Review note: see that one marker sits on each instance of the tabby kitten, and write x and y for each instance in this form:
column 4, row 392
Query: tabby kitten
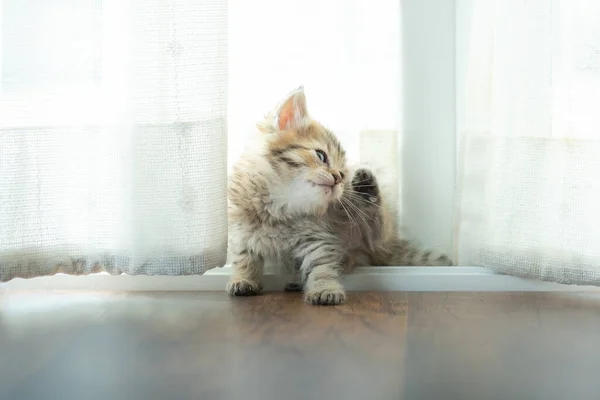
column 293, row 199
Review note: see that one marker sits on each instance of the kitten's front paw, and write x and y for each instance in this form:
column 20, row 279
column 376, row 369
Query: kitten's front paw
column 326, row 295
column 365, row 184
column 238, row 286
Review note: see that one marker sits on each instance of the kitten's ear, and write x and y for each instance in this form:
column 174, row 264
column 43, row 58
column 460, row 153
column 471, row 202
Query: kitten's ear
column 292, row 113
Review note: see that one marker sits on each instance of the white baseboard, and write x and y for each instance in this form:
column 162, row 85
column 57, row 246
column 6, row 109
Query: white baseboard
column 362, row 279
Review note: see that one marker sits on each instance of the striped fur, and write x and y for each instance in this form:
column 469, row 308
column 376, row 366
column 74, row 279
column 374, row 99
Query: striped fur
column 294, row 201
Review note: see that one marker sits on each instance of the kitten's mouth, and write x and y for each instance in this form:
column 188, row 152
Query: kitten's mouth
column 323, row 185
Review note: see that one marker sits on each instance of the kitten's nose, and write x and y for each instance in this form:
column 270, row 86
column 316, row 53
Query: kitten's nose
column 337, row 177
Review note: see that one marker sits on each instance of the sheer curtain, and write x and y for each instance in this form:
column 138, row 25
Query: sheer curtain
column 530, row 164
column 112, row 136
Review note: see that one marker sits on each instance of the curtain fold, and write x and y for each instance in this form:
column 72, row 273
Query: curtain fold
column 113, row 137
column 529, row 180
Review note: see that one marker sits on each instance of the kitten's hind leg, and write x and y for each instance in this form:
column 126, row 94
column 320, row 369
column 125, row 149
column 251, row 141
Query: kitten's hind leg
column 246, row 279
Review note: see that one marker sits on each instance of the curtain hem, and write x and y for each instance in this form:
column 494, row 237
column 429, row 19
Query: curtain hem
column 36, row 263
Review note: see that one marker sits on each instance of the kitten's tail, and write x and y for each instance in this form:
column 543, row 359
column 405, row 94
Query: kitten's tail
column 405, row 253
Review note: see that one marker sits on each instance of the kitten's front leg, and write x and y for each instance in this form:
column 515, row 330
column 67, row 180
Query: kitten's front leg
column 364, row 211
column 246, row 279
column 323, row 287
column 321, row 269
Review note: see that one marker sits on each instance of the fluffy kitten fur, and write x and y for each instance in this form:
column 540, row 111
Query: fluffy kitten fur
column 292, row 198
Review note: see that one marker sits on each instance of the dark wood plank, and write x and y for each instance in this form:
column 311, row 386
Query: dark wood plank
column 101, row 345
column 503, row 346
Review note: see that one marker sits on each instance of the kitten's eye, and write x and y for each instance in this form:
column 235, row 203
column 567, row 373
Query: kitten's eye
column 322, row 156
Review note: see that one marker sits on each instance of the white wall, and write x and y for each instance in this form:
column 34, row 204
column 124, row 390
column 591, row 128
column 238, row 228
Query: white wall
column 427, row 148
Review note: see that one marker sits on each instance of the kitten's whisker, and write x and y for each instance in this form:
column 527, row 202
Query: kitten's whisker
column 359, row 195
column 348, row 205
column 352, row 191
column 364, row 180
column 364, row 214
column 355, row 208
column 360, row 199
column 352, row 221
column 361, row 212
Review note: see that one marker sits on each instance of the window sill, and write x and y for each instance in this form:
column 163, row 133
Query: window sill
column 363, row 279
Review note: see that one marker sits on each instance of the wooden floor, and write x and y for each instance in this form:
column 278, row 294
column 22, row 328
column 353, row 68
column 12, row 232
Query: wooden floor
column 183, row 345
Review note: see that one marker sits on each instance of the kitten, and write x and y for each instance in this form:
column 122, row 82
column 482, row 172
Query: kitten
column 293, row 199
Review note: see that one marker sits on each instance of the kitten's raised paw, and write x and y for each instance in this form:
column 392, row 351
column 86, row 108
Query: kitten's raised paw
column 365, row 184
column 326, row 296
column 243, row 287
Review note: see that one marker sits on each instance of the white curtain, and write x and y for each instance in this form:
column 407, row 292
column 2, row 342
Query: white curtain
column 530, row 163
column 112, row 136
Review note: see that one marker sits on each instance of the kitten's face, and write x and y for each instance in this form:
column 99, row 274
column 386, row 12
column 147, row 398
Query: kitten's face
column 307, row 159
